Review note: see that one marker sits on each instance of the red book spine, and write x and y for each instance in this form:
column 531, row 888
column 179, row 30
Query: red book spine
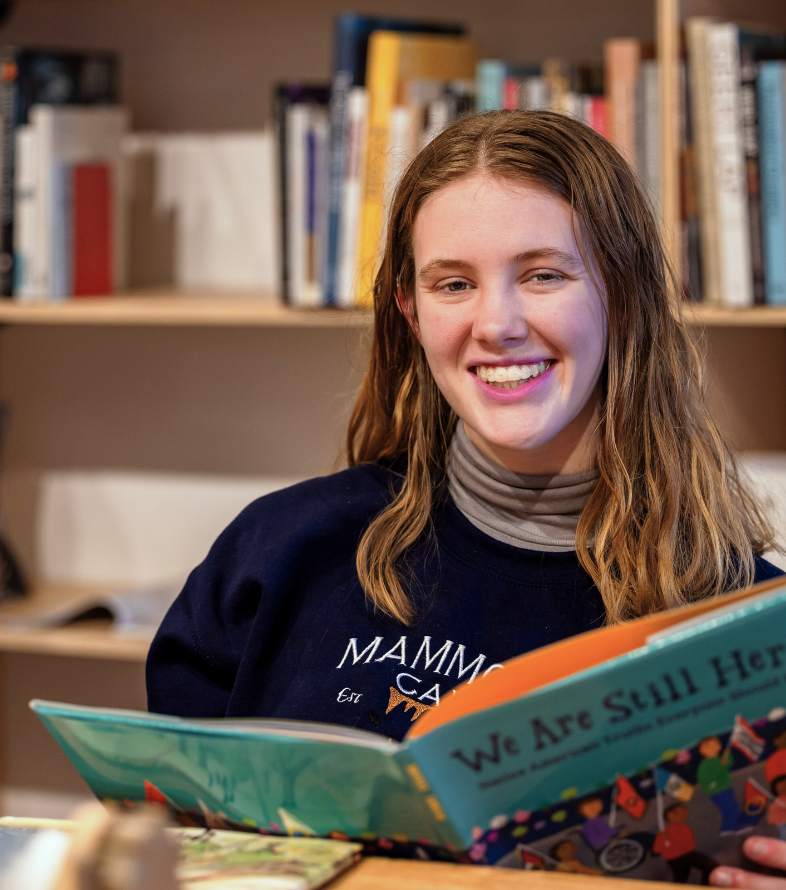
column 92, row 230
column 511, row 93
column 599, row 116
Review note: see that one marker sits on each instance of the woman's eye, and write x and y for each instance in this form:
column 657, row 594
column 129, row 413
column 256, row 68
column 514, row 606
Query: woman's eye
column 454, row 287
column 546, row 277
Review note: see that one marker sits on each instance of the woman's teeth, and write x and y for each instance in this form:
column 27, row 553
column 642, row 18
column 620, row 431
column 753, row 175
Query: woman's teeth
column 510, row 376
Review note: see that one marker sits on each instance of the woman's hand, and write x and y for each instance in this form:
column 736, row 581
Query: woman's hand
column 764, row 850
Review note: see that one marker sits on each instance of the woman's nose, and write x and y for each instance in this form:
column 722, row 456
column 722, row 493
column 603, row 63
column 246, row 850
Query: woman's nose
column 500, row 317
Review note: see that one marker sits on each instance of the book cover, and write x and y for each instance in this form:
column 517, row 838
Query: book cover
column 750, row 141
column 350, row 49
column 614, row 728
column 92, row 234
column 392, row 59
column 67, row 137
column 772, row 171
column 699, row 95
column 755, row 46
column 293, row 104
column 39, row 76
column 25, row 212
column 648, row 132
column 351, row 195
column 32, row 852
column 490, row 75
column 622, row 57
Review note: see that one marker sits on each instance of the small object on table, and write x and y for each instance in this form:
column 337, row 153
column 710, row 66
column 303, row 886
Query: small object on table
column 114, row 851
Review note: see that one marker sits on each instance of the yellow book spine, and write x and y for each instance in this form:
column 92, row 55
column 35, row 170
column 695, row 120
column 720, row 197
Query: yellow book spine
column 382, row 83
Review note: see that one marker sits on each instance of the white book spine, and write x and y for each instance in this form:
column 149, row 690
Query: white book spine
column 297, row 128
column 651, row 130
column 320, row 125
column 352, row 196
column 729, row 180
column 25, row 214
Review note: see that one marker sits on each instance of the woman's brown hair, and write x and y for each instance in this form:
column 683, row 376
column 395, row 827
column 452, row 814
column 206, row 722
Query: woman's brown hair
column 670, row 520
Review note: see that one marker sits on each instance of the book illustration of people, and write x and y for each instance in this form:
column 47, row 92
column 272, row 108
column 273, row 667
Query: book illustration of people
column 674, row 820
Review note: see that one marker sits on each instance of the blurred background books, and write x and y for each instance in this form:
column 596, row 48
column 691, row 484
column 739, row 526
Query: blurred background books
column 297, row 209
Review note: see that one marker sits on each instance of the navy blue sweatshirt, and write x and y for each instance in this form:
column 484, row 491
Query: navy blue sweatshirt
column 274, row 622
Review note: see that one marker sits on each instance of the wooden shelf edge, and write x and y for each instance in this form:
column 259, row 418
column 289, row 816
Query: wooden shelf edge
column 721, row 316
column 167, row 308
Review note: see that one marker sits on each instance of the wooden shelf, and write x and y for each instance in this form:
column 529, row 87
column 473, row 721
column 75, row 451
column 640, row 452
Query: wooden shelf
column 169, row 308
column 719, row 316
column 93, row 638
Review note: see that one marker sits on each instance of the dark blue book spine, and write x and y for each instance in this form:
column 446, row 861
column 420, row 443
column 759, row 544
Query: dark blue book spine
column 8, row 102
column 337, row 148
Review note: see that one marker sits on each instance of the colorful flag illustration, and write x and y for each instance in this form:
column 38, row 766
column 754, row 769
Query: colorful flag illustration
column 744, row 738
column 679, row 788
column 754, row 799
column 629, row 799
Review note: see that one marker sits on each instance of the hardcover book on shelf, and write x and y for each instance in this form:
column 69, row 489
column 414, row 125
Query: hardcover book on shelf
column 394, row 58
column 714, row 63
column 71, row 237
column 352, row 32
column 587, row 755
column 32, row 77
column 622, row 61
column 302, row 121
column 771, row 86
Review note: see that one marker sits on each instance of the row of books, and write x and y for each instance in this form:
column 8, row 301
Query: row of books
column 69, row 167
column 734, row 138
column 61, row 220
column 397, row 83
column 88, row 207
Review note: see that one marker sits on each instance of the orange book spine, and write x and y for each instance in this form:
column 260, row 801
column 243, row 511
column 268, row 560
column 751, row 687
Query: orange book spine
column 382, row 83
column 622, row 58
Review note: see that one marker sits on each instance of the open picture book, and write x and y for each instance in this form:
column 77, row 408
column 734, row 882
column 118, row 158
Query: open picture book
column 649, row 749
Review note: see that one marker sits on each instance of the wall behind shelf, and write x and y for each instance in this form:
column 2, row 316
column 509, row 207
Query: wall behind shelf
column 264, row 404
column 211, row 64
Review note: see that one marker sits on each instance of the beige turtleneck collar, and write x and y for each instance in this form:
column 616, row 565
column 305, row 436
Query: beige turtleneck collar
column 531, row 512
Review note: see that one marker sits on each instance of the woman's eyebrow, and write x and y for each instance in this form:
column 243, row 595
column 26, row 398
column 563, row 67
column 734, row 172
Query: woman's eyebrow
column 548, row 253
column 438, row 264
column 536, row 253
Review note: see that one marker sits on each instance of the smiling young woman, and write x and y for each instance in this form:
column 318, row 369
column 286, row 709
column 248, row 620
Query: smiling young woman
column 523, row 238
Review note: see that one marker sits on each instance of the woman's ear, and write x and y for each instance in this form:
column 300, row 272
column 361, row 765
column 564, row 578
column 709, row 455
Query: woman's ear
column 407, row 309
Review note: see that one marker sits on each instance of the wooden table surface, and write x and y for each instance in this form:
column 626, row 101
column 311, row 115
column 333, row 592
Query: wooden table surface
column 376, row 873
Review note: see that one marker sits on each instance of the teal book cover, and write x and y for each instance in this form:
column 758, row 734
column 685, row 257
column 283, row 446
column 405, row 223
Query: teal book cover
column 649, row 750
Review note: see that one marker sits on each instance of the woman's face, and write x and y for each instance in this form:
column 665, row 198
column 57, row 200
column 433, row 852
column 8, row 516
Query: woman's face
column 512, row 326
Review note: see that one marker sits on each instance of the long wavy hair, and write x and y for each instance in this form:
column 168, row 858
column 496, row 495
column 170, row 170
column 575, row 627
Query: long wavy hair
column 671, row 520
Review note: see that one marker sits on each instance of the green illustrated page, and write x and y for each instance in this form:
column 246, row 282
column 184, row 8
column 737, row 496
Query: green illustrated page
column 222, row 773
column 629, row 716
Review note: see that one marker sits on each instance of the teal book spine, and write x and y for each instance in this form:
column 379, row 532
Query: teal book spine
column 772, row 171
column 489, row 84
column 626, row 717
